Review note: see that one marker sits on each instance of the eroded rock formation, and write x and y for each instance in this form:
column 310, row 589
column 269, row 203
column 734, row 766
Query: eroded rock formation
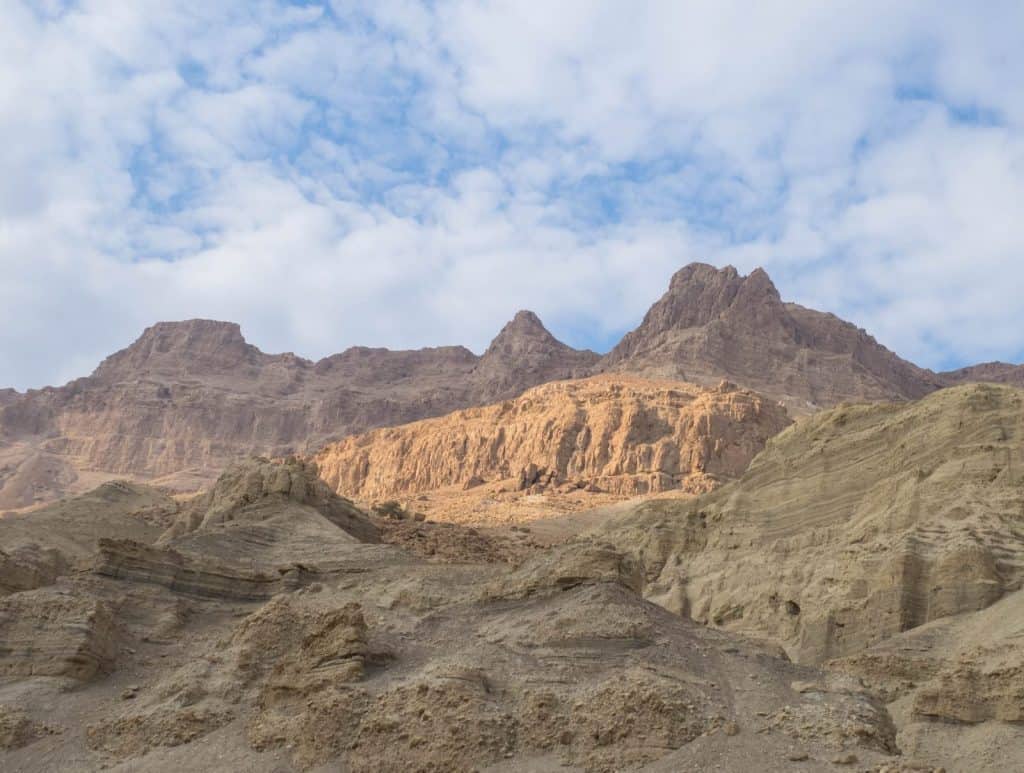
column 619, row 434
column 852, row 526
column 51, row 632
column 382, row 660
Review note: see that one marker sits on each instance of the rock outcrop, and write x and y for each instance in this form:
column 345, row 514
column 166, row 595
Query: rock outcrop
column 257, row 489
column 39, row 547
column 619, row 434
column 714, row 324
column 956, row 685
column 264, row 528
column 190, row 575
column 852, row 526
column 188, row 398
column 56, row 632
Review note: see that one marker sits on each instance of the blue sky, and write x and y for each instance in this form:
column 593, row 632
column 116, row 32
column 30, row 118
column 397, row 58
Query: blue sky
column 408, row 174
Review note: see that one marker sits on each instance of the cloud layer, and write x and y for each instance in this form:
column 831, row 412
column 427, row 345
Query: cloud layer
column 408, row 174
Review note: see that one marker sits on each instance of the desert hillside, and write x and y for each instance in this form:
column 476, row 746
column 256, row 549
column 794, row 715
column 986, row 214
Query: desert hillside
column 852, row 599
column 272, row 626
column 853, row 531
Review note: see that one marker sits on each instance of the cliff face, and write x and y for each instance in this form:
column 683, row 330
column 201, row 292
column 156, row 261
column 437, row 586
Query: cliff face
column 620, row 434
column 714, row 324
column 187, row 398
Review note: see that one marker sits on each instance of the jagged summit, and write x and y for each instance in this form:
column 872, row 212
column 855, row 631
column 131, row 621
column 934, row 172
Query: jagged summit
column 715, row 324
column 525, row 332
column 699, row 294
column 524, row 345
column 190, row 346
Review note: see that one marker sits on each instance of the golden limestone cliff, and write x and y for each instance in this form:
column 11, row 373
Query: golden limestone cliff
column 617, row 434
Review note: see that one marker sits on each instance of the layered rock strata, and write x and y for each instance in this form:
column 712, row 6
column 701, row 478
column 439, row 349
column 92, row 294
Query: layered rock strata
column 852, row 526
column 617, row 434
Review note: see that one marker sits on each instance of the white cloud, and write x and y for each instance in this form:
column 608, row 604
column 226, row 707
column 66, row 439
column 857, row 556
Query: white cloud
column 406, row 174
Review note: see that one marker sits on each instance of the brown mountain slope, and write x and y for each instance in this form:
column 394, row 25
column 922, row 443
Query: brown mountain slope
column 991, row 372
column 618, row 434
column 714, row 324
column 187, row 398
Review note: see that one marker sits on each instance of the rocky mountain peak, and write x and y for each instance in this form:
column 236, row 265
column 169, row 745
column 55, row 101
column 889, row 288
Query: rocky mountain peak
column 189, row 346
column 525, row 330
column 700, row 293
column 714, row 323
column 525, row 347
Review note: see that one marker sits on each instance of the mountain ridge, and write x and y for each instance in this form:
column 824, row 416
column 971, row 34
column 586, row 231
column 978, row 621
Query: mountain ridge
column 186, row 398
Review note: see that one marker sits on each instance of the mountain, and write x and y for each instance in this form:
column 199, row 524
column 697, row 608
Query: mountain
column 617, row 434
column 187, row 398
column 992, row 372
column 715, row 324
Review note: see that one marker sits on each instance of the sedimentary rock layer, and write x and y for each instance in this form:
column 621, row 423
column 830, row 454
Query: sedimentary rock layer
column 852, row 526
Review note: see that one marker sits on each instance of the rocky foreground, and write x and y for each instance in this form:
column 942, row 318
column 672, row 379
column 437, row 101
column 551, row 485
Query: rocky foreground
column 269, row 626
column 885, row 542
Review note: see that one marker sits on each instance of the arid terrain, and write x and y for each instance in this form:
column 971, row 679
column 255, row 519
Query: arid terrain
column 269, row 625
column 747, row 539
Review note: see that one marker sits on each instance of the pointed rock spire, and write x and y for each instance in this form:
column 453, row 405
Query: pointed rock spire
column 525, row 330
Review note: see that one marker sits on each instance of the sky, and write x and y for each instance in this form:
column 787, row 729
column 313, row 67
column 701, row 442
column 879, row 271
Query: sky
column 406, row 174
